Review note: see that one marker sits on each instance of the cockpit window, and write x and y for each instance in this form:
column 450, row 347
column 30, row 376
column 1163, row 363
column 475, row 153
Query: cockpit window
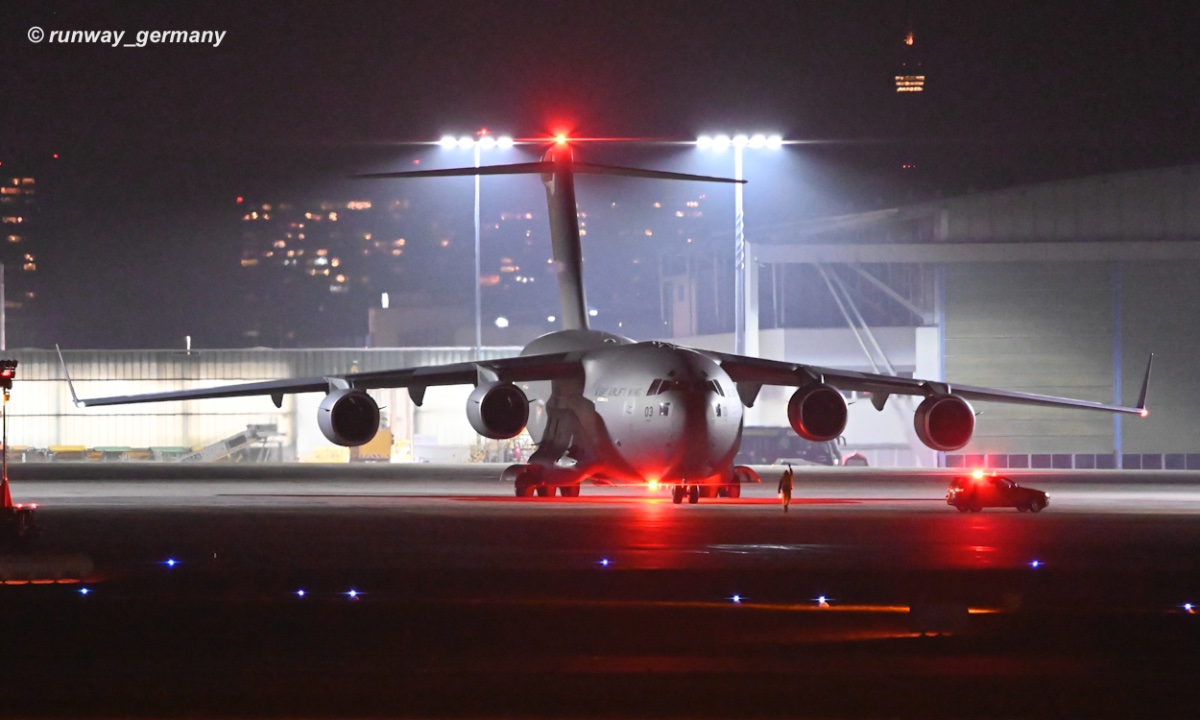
column 658, row 387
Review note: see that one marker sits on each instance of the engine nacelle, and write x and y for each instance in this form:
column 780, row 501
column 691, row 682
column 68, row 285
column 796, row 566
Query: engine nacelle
column 348, row 417
column 945, row 422
column 818, row 413
column 498, row 410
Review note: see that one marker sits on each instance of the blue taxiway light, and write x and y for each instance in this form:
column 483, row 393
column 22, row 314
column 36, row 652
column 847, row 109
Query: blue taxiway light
column 84, row 591
column 299, row 593
column 736, row 599
column 1035, row 564
column 353, row 594
column 171, row 562
column 604, row 562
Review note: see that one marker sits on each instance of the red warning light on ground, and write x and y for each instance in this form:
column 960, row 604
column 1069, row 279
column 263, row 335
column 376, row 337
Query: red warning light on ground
column 240, row 200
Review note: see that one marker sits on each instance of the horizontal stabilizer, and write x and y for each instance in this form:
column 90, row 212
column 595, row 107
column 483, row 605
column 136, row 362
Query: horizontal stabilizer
column 546, row 168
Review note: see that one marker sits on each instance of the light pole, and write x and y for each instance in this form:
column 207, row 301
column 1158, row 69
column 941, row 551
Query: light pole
column 720, row 143
column 483, row 140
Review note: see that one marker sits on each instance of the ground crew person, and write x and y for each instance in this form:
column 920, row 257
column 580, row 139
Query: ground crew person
column 785, row 487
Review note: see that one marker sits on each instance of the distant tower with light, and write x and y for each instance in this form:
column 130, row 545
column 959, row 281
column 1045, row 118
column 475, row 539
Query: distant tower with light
column 910, row 77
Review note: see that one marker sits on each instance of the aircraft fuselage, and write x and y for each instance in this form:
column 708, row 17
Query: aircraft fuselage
column 641, row 412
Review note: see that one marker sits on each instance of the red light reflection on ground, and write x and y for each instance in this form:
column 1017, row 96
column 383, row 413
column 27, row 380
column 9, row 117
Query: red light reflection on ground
column 980, row 541
column 645, row 500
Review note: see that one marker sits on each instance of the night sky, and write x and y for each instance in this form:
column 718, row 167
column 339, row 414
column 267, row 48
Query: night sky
column 153, row 142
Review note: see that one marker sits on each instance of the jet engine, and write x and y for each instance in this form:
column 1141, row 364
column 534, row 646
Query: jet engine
column 348, row 417
column 945, row 422
column 498, row 410
column 817, row 412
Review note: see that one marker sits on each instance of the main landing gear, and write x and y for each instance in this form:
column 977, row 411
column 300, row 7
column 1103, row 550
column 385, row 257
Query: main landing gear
column 527, row 481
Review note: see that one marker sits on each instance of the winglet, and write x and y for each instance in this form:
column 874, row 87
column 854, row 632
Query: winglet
column 1145, row 388
column 70, row 385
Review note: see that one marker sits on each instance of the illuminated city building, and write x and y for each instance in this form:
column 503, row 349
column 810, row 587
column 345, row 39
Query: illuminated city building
column 910, row 78
column 313, row 269
column 20, row 224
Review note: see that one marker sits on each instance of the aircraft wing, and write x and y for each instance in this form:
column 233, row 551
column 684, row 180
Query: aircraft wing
column 751, row 374
column 527, row 368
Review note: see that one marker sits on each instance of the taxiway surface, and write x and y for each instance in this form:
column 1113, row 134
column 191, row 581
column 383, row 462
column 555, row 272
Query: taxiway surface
column 430, row 591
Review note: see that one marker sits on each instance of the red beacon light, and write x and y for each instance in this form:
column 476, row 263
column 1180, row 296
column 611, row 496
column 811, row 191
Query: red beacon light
column 560, row 139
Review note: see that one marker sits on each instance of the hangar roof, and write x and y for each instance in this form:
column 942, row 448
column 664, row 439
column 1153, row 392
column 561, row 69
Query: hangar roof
column 1142, row 215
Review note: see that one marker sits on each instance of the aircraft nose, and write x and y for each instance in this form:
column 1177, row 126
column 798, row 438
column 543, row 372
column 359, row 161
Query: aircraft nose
column 705, row 441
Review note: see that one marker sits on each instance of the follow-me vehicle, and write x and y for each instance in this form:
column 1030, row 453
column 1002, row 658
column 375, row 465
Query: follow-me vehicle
column 606, row 408
column 977, row 491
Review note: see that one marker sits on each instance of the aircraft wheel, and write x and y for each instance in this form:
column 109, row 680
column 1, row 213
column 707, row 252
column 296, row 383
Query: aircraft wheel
column 545, row 491
column 693, row 494
column 708, row 491
column 569, row 490
column 1037, row 505
column 1024, row 508
column 524, row 486
column 974, row 507
column 677, row 494
column 961, row 508
column 733, row 490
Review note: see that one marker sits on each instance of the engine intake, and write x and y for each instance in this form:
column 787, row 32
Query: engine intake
column 348, row 417
column 945, row 422
column 818, row 412
column 498, row 410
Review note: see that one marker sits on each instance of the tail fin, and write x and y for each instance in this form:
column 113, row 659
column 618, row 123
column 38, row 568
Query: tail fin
column 558, row 169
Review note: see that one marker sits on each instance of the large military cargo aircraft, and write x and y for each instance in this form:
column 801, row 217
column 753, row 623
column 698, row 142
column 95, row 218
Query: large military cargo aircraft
column 609, row 409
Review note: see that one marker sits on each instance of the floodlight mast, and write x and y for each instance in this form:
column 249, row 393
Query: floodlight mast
column 483, row 140
column 743, row 343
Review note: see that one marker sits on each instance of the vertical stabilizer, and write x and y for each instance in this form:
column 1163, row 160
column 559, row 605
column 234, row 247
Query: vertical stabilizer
column 564, row 237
